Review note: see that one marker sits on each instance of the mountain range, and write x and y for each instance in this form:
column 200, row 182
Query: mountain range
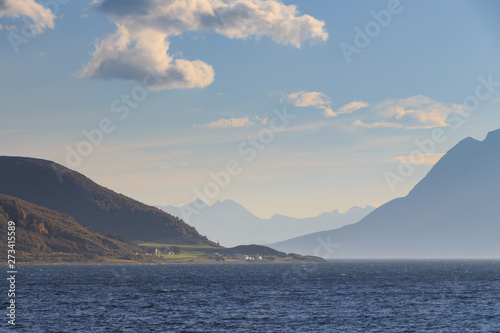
column 62, row 216
column 452, row 213
column 231, row 224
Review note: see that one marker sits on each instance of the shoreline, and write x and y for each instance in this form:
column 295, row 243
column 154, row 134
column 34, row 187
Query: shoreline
column 197, row 261
column 131, row 262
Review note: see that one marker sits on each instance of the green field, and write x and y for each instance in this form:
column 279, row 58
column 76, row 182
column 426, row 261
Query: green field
column 186, row 251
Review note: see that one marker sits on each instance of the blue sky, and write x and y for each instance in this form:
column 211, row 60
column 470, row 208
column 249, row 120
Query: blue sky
column 354, row 122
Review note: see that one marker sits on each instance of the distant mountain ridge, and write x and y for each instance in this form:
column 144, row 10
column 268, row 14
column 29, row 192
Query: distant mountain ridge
column 452, row 213
column 231, row 224
column 48, row 184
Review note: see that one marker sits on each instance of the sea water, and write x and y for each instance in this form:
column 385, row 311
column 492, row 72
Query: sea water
column 337, row 296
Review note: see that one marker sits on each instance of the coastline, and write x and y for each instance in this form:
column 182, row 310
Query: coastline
column 167, row 262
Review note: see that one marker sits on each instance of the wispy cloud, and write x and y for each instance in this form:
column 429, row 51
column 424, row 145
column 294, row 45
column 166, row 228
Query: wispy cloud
column 141, row 44
column 234, row 122
column 328, row 112
column 351, row 107
column 226, row 123
column 427, row 159
column 322, row 102
column 303, row 99
column 414, row 112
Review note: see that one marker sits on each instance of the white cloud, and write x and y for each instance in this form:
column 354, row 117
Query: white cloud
column 351, row 107
column 227, row 123
column 42, row 18
column 141, row 44
column 322, row 102
column 303, row 99
column 328, row 112
column 413, row 113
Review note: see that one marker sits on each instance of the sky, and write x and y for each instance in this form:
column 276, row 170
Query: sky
column 288, row 107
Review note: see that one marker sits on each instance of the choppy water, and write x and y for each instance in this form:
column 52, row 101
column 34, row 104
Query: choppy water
column 340, row 296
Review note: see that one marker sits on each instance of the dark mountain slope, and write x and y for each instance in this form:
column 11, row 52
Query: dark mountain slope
column 42, row 233
column 51, row 185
